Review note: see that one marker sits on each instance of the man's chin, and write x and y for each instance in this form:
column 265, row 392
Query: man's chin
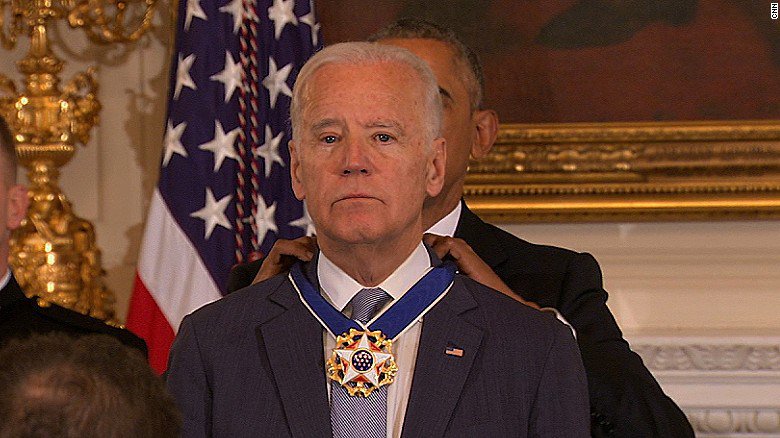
column 370, row 226
column 357, row 235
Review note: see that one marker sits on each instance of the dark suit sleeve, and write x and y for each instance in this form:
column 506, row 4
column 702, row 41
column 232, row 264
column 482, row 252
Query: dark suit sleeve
column 561, row 405
column 242, row 275
column 625, row 398
column 187, row 382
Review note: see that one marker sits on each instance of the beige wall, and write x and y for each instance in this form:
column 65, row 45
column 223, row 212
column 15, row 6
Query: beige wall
column 681, row 276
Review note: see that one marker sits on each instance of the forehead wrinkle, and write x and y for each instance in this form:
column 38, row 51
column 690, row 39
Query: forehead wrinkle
column 326, row 123
column 383, row 123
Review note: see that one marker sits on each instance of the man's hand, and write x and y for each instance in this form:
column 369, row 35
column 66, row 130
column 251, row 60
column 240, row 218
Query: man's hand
column 470, row 264
column 284, row 254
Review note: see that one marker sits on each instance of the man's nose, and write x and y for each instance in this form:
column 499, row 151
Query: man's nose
column 356, row 158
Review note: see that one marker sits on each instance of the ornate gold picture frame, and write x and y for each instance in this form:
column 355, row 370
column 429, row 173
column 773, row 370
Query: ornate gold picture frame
column 629, row 172
column 658, row 91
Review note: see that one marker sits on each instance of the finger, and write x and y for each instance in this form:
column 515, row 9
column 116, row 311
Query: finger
column 310, row 243
column 455, row 248
column 467, row 260
column 305, row 247
column 438, row 244
column 431, row 238
column 286, row 262
column 297, row 248
column 271, row 267
column 301, row 250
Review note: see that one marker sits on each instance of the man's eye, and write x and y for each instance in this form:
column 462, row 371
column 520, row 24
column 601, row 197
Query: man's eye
column 384, row 138
column 329, row 139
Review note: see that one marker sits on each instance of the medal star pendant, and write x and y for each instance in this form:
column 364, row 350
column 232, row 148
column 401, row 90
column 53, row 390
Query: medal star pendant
column 362, row 361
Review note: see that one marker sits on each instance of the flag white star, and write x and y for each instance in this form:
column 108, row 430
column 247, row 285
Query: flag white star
column 213, row 213
column 281, row 12
column 183, row 78
column 269, row 151
column 264, row 218
column 230, row 76
column 304, row 222
column 276, row 81
column 311, row 20
column 222, row 145
column 236, row 9
column 193, row 10
column 172, row 142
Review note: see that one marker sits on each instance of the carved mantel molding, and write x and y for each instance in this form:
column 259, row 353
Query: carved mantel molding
column 703, row 357
column 730, row 422
column 728, row 385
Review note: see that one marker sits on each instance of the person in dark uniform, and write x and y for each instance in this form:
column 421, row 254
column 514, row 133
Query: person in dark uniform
column 21, row 316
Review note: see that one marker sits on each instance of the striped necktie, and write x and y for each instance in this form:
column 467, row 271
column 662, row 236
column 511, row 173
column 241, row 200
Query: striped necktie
column 360, row 417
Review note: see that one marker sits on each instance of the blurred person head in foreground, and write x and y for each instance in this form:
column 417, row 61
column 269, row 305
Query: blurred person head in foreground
column 55, row 385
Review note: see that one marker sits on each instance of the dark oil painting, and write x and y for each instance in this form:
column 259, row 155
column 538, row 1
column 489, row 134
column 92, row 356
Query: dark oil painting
column 601, row 60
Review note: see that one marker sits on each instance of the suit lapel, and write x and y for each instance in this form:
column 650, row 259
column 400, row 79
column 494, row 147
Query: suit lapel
column 439, row 377
column 480, row 237
column 292, row 340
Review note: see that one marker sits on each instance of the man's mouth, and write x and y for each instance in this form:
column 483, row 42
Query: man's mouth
column 357, row 197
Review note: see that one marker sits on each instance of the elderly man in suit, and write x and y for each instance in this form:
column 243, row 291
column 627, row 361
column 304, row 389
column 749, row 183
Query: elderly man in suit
column 374, row 337
column 22, row 316
column 625, row 399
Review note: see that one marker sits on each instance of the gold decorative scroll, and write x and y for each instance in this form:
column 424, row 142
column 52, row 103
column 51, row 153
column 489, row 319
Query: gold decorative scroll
column 629, row 172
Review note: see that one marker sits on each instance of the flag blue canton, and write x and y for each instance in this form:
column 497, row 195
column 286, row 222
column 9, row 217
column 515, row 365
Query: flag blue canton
column 224, row 175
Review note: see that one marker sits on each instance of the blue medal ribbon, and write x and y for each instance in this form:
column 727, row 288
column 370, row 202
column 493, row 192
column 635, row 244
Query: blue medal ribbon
column 393, row 321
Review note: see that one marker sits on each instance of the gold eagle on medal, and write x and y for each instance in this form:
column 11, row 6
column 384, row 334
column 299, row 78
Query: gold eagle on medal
column 362, row 362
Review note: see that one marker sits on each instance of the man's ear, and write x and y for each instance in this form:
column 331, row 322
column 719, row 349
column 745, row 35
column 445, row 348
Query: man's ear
column 487, row 130
column 436, row 168
column 295, row 172
column 17, row 206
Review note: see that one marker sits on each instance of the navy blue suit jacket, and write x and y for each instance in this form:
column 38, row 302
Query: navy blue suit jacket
column 625, row 399
column 21, row 317
column 251, row 364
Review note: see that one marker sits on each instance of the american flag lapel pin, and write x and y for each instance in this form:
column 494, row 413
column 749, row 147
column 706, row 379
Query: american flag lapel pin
column 453, row 351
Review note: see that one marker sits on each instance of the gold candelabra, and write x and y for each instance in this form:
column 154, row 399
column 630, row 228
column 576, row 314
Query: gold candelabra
column 53, row 253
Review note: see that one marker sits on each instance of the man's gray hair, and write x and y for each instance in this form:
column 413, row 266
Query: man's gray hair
column 363, row 53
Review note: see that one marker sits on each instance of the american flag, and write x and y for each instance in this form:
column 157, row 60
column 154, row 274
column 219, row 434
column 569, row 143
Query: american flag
column 224, row 190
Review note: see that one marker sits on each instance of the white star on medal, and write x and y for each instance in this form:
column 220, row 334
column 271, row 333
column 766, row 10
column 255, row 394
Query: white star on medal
column 371, row 375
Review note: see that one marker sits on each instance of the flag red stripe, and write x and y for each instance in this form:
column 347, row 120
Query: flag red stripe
column 146, row 320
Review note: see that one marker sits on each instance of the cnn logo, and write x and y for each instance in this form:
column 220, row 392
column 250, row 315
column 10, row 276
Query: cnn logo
column 773, row 11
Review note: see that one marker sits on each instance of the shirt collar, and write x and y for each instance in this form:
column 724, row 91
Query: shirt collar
column 340, row 287
column 447, row 225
